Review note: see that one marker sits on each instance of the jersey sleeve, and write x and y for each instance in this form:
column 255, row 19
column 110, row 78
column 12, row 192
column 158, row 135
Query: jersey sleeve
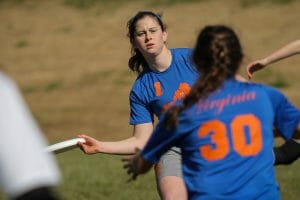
column 139, row 109
column 287, row 116
column 24, row 164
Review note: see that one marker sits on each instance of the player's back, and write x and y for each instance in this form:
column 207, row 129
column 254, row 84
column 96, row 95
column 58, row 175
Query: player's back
column 227, row 149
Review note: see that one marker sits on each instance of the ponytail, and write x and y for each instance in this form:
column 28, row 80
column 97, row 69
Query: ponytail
column 217, row 56
column 137, row 62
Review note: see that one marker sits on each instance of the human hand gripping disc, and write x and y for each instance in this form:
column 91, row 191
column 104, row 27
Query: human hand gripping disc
column 64, row 145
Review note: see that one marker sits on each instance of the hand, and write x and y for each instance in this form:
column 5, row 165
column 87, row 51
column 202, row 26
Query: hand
column 91, row 145
column 255, row 66
column 131, row 163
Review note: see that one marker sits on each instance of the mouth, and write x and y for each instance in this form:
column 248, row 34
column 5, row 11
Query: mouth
column 149, row 46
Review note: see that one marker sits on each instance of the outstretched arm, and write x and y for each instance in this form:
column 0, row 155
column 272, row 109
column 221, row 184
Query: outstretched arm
column 141, row 133
column 284, row 52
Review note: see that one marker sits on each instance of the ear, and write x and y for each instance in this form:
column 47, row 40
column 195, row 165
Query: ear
column 165, row 36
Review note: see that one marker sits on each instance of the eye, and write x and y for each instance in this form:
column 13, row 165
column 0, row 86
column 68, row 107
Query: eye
column 153, row 30
column 139, row 34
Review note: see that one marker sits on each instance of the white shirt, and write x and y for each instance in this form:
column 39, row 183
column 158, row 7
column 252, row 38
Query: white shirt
column 24, row 163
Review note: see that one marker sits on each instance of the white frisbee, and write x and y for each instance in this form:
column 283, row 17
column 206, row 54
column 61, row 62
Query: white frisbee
column 64, row 145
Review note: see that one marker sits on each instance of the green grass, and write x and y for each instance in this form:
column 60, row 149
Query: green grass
column 102, row 176
column 54, row 85
column 21, row 44
column 288, row 179
column 89, row 177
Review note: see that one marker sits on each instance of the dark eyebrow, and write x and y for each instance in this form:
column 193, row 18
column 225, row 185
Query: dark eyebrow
column 151, row 28
column 155, row 27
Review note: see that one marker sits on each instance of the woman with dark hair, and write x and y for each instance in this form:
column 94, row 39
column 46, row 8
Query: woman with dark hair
column 164, row 76
column 224, row 127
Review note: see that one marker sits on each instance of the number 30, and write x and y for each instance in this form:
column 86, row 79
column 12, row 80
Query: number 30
column 221, row 141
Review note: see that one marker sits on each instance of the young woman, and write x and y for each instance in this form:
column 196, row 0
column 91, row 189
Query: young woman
column 284, row 52
column 164, row 77
column 224, row 127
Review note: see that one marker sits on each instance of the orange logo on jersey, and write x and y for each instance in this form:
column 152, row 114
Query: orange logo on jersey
column 179, row 94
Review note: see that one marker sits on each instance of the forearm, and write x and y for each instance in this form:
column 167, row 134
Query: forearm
column 123, row 147
column 289, row 151
column 284, row 52
column 141, row 134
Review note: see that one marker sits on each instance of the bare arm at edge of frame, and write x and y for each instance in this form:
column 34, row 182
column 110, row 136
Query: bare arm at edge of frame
column 284, row 52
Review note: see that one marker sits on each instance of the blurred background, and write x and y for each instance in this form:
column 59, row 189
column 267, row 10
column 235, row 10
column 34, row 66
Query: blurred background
column 69, row 58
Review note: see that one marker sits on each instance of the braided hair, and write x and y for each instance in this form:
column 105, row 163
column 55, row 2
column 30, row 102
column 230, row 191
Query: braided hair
column 217, row 56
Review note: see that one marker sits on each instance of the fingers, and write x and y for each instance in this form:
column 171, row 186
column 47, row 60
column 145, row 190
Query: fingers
column 87, row 138
column 132, row 176
column 90, row 146
column 255, row 66
column 250, row 70
column 249, row 73
column 82, row 147
column 129, row 167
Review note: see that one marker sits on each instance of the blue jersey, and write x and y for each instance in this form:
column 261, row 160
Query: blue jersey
column 153, row 92
column 226, row 142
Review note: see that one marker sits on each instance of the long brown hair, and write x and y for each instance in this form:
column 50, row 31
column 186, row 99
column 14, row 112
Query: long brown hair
column 137, row 62
column 217, row 56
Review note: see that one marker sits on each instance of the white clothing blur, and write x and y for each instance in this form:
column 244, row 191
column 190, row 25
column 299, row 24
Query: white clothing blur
column 24, row 163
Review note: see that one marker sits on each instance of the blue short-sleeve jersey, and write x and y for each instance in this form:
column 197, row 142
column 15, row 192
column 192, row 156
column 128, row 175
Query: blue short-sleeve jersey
column 153, row 92
column 227, row 141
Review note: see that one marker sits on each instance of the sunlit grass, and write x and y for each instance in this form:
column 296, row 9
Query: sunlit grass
column 101, row 177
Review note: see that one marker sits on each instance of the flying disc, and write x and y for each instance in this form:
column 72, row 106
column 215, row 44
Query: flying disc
column 64, row 145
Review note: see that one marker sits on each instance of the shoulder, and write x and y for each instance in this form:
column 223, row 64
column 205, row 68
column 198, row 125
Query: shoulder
column 183, row 57
column 186, row 52
column 269, row 90
column 142, row 80
column 142, row 85
column 265, row 91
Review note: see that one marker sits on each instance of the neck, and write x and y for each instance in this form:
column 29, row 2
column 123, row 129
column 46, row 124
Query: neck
column 161, row 61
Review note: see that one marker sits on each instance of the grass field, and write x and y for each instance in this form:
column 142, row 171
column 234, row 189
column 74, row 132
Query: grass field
column 70, row 61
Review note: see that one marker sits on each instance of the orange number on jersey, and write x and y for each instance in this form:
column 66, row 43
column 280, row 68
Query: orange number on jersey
column 218, row 137
column 158, row 91
column 238, row 135
column 220, row 140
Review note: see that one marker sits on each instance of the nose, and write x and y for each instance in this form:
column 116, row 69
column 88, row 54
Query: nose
column 148, row 36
